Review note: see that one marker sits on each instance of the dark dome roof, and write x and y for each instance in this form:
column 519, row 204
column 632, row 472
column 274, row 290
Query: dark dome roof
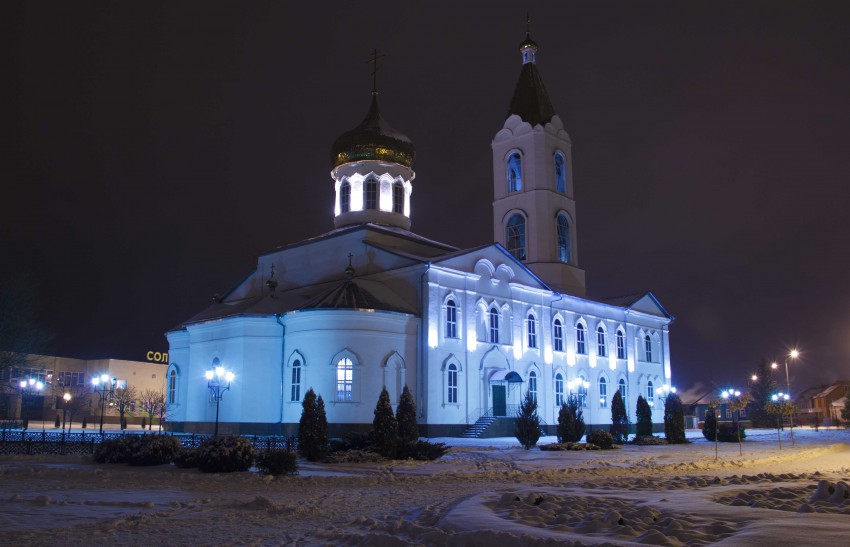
column 373, row 139
column 528, row 42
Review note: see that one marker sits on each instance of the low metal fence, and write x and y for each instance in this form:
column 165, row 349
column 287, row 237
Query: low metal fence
column 83, row 443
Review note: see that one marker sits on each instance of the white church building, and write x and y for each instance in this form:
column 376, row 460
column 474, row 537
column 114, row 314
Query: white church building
column 371, row 304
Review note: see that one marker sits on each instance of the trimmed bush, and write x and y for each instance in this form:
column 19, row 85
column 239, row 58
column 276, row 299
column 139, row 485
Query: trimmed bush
column 112, row 451
column 619, row 419
column 527, row 422
column 421, row 450
column 710, row 425
column 558, row 447
column 648, row 440
column 354, row 456
column 405, row 415
column 186, row 458
column 277, row 462
column 225, row 454
column 674, row 420
column 600, row 438
column 644, row 417
column 138, row 450
column 385, row 426
column 728, row 433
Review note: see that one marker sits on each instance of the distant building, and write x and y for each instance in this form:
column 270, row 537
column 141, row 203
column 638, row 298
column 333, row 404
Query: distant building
column 59, row 373
column 823, row 401
column 371, row 304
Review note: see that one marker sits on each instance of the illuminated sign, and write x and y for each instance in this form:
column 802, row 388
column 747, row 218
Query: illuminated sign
column 157, row 356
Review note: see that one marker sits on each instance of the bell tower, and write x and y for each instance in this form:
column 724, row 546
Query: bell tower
column 534, row 210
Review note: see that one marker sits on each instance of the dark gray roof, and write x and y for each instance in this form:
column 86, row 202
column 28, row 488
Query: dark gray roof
column 530, row 100
column 358, row 294
column 373, row 139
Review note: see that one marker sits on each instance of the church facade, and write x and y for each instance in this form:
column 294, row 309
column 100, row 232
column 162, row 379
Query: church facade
column 371, row 304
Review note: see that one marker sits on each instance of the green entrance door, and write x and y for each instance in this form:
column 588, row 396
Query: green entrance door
column 500, row 406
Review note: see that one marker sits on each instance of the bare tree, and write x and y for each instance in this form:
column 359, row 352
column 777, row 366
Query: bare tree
column 122, row 400
column 79, row 402
column 152, row 402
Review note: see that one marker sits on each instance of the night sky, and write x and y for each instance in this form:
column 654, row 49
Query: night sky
column 151, row 151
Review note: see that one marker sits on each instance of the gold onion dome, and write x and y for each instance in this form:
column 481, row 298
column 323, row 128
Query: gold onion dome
column 374, row 140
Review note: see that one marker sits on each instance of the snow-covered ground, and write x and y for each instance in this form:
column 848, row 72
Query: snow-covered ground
column 484, row 492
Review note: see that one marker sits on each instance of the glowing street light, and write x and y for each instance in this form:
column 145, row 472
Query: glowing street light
column 218, row 381
column 105, row 388
column 67, row 399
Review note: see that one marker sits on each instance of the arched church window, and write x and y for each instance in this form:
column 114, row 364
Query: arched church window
column 345, row 197
column 370, row 190
column 621, row 344
column 558, row 335
column 603, row 393
column 582, row 391
column 601, row 350
column 295, row 394
column 494, row 325
column 515, row 236
column 514, row 172
column 531, row 329
column 451, row 395
column 451, row 319
column 532, row 385
column 398, row 198
column 344, row 379
column 623, row 391
column 648, row 348
column 581, row 343
column 564, row 246
column 560, row 173
column 650, row 394
column 559, row 389
column 172, row 388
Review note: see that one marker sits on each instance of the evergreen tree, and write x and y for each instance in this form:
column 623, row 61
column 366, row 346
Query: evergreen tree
column 619, row 419
column 709, row 428
column 674, row 420
column 761, row 389
column 312, row 438
column 570, row 421
column 321, row 427
column 527, row 422
column 405, row 415
column 644, row 417
column 385, row 426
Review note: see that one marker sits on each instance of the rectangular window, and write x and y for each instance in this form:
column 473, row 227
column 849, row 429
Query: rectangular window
column 494, row 327
column 600, row 343
column 295, row 394
column 344, row 379
column 452, row 385
column 532, row 332
column 581, row 345
column 559, row 390
column 451, row 320
column 621, row 345
column 558, row 336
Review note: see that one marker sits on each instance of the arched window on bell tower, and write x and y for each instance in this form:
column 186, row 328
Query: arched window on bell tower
column 398, row 197
column 515, row 236
column 564, row 246
column 370, row 193
column 560, row 173
column 514, row 172
column 345, row 196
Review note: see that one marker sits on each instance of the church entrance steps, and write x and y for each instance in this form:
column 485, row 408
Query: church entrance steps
column 479, row 427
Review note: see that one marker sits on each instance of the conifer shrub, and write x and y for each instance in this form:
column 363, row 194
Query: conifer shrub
column 674, row 420
column 313, row 428
column 144, row 422
column 85, row 423
column 709, row 427
column 354, row 456
column 421, row 450
column 57, row 422
column 619, row 419
column 112, row 451
column 601, row 438
column 139, row 450
column 567, row 431
column 277, row 462
column 728, row 433
column 186, row 458
column 648, row 440
column 405, row 415
column 527, row 422
column 225, row 454
column 643, row 412
column 385, row 427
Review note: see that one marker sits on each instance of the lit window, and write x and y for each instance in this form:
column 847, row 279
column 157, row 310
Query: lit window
column 560, row 173
column 559, row 389
column 451, row 395
column 344, row 379
column 648, row 346
column 494, row 325
column 345, row 197
column 600, row 342
column 451, row 319
column 582, row 392
column 603, row 393
column 621, row 345
column 398, row 198
column 515, row 236
column 295, row 395
column 650, row 393
column 371, row 191
column 532, row 385
column 172, row 388
column 531, row 327
column 564, row 247
column 558, row 335
column 623, row 389
column 514, row 172
column 581, row 344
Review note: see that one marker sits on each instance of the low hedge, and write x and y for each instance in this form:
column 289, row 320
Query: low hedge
column 225, row 454
column 277, row 462
column 138, row 450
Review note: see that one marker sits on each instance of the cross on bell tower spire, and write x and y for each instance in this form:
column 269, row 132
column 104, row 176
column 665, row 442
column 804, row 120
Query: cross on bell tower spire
column 374, row 61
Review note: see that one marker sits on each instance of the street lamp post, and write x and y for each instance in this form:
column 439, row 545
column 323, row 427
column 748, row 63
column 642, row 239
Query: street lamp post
column 218, row 381
column 67, row 399
column 28, row 387
column 105, row 388
column 793, row 355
